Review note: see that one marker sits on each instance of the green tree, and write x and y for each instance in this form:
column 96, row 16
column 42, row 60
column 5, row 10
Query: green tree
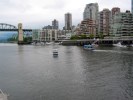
column 91, row 36
column 101, row 36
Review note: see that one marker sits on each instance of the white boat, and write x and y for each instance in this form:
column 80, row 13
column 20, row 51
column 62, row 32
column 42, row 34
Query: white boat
column 3, row 96
column 119, row 45
column 88, row 47
column 48, row 43
column 55, row 52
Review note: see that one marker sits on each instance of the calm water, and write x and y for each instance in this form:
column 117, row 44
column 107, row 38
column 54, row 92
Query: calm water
column 32, row 73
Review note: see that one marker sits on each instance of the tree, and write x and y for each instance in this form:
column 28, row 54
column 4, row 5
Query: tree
column 91, row 36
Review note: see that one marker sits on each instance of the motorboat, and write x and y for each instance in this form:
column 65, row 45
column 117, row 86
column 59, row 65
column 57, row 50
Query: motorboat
column 48, row 43
column 89, row 47
column 3, row 96
column 119, row 45
column 55, row 52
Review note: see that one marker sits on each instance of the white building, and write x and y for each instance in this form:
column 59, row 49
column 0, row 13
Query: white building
column 49, row 34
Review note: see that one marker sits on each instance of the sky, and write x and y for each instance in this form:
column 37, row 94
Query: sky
column 35, row 14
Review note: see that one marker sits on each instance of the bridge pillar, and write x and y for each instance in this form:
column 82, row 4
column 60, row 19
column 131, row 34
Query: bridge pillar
column 20, row 34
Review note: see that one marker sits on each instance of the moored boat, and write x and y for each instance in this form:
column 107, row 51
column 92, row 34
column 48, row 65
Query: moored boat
column 119, row 45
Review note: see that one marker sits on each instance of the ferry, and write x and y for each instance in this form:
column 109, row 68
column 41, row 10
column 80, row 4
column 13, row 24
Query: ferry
column 3, row 96
column 55, row 52
column 89, row 47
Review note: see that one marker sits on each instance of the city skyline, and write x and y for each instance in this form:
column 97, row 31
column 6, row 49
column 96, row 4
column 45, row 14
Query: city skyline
column 34, row 14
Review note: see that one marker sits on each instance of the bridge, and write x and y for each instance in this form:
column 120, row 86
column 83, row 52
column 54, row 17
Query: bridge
column 8, row 27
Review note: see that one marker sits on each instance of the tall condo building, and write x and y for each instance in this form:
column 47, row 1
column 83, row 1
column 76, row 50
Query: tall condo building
column 91, row 11
column 132, row 6
column 104, row 22
column 55, row 24
column 68, row 21
column 114, row 11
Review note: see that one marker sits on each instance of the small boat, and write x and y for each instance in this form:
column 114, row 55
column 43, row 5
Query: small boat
column 55, row 52
column 119, row 45
column 88, row 47
column 3, row 96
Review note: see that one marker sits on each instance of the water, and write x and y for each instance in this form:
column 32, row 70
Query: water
column 32, row 73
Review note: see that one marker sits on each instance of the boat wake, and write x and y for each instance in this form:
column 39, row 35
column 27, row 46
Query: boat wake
column 114, row 51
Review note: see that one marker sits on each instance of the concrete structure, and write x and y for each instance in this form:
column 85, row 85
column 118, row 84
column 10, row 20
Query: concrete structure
column 88, row 26
column 68, row 21
column 91, row 11
column 55, row 24
column 123, row 24
column 20, row 34
column 104, row 19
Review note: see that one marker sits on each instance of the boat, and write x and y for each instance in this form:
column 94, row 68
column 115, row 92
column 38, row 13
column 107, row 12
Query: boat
column 89, row 47
column 55, row 52
column 48, row 43
column 119, row 45
column 3, row 96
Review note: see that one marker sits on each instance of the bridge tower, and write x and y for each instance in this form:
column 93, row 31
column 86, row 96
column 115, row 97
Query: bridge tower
column 20, row 34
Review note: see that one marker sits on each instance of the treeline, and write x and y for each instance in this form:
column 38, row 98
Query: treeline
column 84, row 36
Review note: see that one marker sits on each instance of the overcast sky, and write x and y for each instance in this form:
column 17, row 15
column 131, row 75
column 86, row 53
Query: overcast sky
column 39, row 13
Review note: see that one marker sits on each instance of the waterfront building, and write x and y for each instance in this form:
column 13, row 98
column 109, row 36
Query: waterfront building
column 55, row 24
column 49, row 35
column 123, row 24
column 68, row 21
column 104, row 19
column 88, row 26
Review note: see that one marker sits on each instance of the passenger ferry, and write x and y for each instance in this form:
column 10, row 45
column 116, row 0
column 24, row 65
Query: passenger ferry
column 89, row 47
column 55, row 52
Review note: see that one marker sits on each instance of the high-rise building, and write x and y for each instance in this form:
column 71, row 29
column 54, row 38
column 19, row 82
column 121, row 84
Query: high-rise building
column 104, row 22
column 91, row 11
column 55, row 24
column 132, row 6
column 68, row 21
column 114, row 11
